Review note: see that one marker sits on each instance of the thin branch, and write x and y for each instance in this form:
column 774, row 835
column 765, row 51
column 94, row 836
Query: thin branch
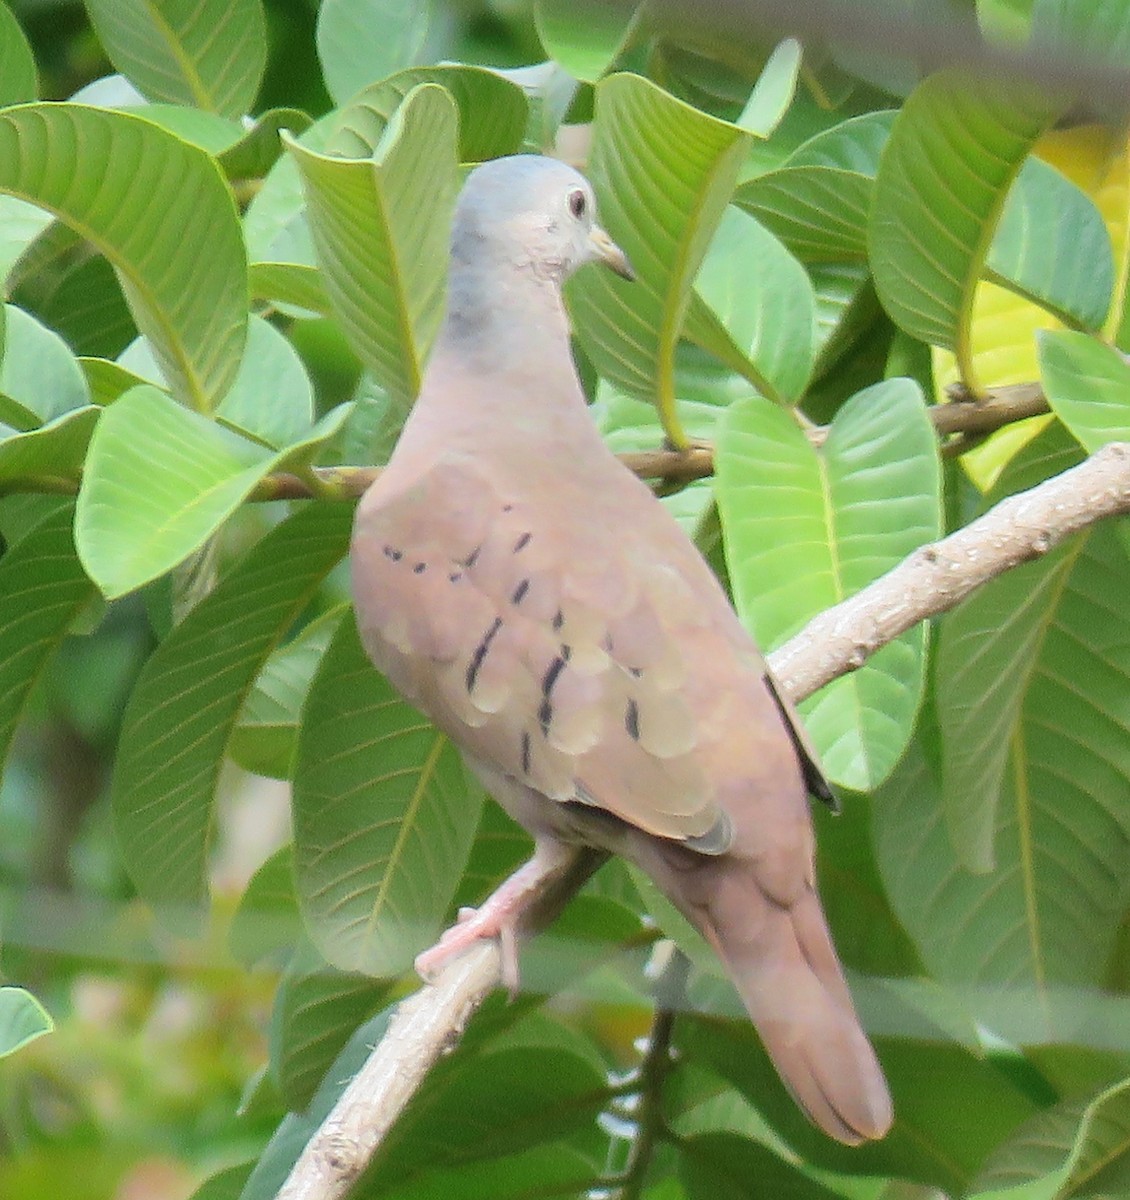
column 963, row 416
column 1003, row 406
column 648, row 1118
column 932, row 580
column 426, row 1025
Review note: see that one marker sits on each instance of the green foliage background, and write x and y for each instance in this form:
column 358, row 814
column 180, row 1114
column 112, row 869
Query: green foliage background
column 223, row 233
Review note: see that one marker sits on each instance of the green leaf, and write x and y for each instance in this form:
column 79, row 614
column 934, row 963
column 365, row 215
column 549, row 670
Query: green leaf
column 207, row 130
column 259, row 148
column 818, row 213
column 867, row 935
column 107, row 380
column 763, row 300
column 42, row 590
column 267, row 735
column 942, row 1132
column 664, row 173
column 493, row 1104
column 20, row 225
column 549, row 91
column 381, row 227
column 39, row 373
column 275, row 223
column 271, row 399
column 161, row 212
column 482, row 1122
column 267, row 924
column 845, row 307
column 224, row 1185
column 492, row 111
column 160, row 479
column 1010, row 718
column 84, row 304
column 852, row 510
column 1052, row 247
column 1076, row 1148
column 360, row 41
column 383, row 817
column 1028, row 938
column 549, row 1169
column 374, row 425
column 774, row 90
column 290, row 283
column 954, row 150
column 855, row 145
column 629, row 424
column 206, row 54
column 18, row 77
column 185, row 705
column 22, row 1020
column 316, row 1010
column 585, row 36
column 719, row 1166
column 817, row 202
column 1088, row 387
column 56, row 451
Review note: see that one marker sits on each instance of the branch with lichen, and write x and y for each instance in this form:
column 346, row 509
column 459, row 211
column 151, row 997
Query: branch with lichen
column 932, row 580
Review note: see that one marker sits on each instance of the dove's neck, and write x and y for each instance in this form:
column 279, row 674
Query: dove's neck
column 502, row 360
column 503, row 319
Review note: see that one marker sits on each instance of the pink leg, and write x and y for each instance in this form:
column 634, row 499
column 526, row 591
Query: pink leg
column 499, row 914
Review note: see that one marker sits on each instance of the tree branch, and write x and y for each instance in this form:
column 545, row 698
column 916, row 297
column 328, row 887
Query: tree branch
column 425, row 1026
column 962, row 419
column 964, row 415
column 937, row 577
column 646, row 1107
column 932, row 580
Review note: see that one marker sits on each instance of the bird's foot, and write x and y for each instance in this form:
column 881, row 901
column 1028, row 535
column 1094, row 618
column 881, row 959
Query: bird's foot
column 490, row 920
column 498, row 917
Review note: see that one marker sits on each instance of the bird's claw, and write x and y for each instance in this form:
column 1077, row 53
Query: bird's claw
column 473, row 925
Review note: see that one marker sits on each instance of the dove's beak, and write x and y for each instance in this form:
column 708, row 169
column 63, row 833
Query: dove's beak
column 606, row 250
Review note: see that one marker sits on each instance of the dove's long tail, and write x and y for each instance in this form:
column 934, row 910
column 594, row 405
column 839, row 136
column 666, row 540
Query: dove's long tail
column 783, row 964
column 789, row 979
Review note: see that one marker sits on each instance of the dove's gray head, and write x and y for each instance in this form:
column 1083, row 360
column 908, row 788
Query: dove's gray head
column 535, row 213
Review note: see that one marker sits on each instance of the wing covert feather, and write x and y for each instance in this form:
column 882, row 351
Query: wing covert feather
column 569, row 671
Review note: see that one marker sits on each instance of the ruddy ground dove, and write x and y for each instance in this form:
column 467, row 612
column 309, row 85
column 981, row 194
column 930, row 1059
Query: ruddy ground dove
column 534, row 598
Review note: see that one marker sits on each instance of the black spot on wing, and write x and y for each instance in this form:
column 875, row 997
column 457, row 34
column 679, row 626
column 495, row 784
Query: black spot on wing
column 545, row 709
column 392, row 553
column 522, row 542
column 558, row 621
column 632, row 720
column 552, row 672
column 525, row 752
column 481, row 652
column 520, row 591
column 419, row 568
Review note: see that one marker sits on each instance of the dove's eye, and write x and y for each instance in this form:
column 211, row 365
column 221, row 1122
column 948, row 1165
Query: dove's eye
column 577, row 203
